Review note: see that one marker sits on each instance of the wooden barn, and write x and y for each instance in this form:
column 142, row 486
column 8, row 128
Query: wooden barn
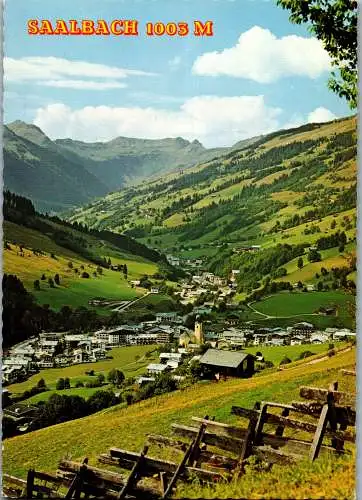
column 229, row 363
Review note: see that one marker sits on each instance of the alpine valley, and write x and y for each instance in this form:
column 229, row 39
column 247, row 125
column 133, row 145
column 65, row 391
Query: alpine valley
column 275, row 212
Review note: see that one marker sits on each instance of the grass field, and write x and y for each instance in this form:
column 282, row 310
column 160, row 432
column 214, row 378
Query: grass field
column 330, row 258
column 123, row 358
column 128, row 428
column 277, row 353
column 298, row 303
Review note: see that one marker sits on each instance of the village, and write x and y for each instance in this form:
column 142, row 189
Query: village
column 61, row 349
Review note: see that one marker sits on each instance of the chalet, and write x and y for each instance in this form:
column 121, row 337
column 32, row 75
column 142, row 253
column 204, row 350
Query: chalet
column 168, row 317
column 145, row 380
column 157, row 368
column 142, row 339
column 318, row 338
column 233, row 364
column 232, row 320
column 296, row 340
column 327, row 311
column 72, row 341
column 303, row 328
column 344, row 334
column 165, row 357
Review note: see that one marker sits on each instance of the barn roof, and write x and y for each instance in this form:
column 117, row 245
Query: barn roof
column 217, row 357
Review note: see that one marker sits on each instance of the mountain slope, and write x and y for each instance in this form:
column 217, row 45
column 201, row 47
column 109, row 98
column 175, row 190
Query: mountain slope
column 34, row 167
column 291, row 187
column 123, row 160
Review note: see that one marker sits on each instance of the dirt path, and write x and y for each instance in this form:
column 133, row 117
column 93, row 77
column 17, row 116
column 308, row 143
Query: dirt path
column 123, row 307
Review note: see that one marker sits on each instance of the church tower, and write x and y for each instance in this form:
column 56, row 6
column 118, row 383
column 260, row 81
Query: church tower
column 199, row 332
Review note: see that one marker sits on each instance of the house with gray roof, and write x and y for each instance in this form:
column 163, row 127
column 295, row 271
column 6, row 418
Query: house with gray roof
column 229, row 363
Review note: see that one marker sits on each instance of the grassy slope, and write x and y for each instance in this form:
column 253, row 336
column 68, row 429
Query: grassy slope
column 124, row 358
column 128, row 427
column 286, row 303
column 73, row 290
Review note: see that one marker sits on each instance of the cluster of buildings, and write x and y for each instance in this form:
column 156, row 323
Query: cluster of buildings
column 217, row 288
column 298, row 334
column 60, row 349
column 50, row 350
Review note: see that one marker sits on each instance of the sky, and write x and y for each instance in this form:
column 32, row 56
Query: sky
column 256, row 74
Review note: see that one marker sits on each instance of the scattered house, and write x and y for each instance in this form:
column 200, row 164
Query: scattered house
column 310, row 288
column 157, row 368
column 327, row 311
column 319, row 338
column 170, row 356
column 303, row 328
column 168, row 317
column 155, row 290
column 136, row 282
column 232, row 319
column 296, row 340
column 46, row 360
column 145, row 380
column 80, row 356
column 72, row 341
column 233, row 364
column 343, row 334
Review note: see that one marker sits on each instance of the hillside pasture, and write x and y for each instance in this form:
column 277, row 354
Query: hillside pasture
column 303, row 303
column 330, row 258
column 73, row 289
column 276, row 353
column 128, row 427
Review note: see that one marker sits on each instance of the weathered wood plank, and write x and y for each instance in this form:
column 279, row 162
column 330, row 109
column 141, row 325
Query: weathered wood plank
column 153, row 465
column 14, row 480
column 318, row 437
column 45, row 476
column 205, row 455
column 181, row 466
column 93, row 472
column 167, row 441
column 98, row 481
column 195, row 449
column 344, row 413
column 274, row 456
column 221, row 428
column 321, row 395
column 30, row 483
column 246, row 447
column 135, row 473
column 270, row 418
column 280, row 429
column 223, row 442
column 296, row 446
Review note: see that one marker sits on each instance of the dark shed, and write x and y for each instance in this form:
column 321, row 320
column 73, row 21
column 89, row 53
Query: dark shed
column 229, row 363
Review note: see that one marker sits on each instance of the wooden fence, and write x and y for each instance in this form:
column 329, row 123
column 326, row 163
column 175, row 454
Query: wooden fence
column 210, row 451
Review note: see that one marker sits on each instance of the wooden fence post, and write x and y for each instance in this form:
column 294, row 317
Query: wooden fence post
column 246, row 448
column 30, row 483
column 280, row 429
column 135, row 473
